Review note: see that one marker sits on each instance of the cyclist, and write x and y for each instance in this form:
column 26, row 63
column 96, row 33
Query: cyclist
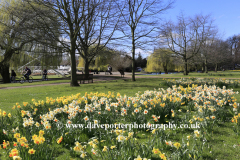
column 44, row 74
column 28, row 73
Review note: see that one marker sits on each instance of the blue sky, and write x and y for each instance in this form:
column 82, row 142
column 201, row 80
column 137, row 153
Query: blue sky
column 225, row 12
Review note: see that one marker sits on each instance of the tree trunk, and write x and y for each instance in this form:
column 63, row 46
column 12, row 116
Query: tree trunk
column 86, row 69
column 196, row 69
column 73, row 66
column 185, row 67
column 206, row 70
column 133, row 56
column 4, row 67
column 216, row 67
column 203, row 67
column 5, row 73
column 234, row 63
column 165, row 69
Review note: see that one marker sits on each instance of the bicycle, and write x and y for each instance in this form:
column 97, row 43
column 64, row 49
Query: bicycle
column 44, row 78
column 23, row 79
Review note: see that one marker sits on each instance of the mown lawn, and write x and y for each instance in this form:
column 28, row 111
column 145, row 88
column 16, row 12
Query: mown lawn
column 210, row 74
column 10, row 96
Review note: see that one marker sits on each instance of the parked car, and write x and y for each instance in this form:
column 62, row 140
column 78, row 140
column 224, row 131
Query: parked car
column 138, row 69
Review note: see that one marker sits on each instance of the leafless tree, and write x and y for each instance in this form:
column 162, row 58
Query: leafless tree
column 207, row 48
column 142, row 19
column 71, row 20
column 84, row 24
column 186, row 37
column 100, row 23
column 220, row 54
column 234, row 43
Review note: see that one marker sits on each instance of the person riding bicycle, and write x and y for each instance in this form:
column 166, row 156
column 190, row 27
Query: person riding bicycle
column 44, row 74
column 28, row 73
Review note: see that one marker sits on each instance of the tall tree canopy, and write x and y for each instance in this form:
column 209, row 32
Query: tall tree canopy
column 21, row 29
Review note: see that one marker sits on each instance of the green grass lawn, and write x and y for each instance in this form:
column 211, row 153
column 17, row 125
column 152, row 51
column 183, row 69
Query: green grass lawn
column 10, row 96
column 224, row 142
column 210, row 74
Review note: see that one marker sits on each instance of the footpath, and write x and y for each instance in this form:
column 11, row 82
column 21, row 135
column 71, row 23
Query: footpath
column 96, row 78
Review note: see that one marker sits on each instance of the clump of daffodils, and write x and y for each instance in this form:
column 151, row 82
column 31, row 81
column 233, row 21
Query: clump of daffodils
column 38, row 139
column 81, row 149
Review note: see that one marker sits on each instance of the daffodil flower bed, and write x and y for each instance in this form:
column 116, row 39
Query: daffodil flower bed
column 229, row 83
column 39, row 127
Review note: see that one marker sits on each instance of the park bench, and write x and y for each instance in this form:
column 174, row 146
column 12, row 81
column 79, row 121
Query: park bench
column 107, row 72
column 95, row 71
column 121, row 72
column 83, row 77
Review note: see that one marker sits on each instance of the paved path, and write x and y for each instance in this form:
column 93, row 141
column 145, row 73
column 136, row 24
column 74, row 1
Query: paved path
column 101, row 77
